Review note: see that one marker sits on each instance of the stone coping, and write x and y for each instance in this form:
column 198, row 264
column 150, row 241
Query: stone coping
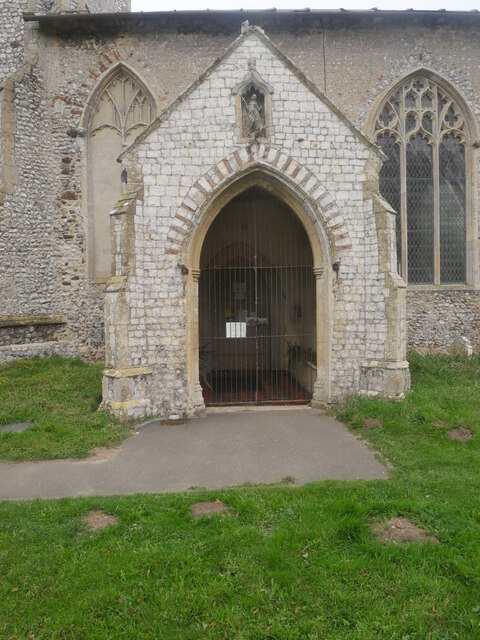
column 385, row 364
column 127, row 372
column 126, row 17
column 27, row 321
column 441, row 287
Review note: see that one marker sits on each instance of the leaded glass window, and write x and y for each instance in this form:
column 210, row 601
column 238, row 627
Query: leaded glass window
column 422, row 132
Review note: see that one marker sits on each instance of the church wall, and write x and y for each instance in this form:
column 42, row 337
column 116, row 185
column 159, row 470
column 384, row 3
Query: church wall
column 44, row 224
column 11, row 38
column 11, row 51
column 47, row 302
column 436, row 318
column 93, row 6
column 105, row 6
column 44, row 221
column 387, row 51
column 27, row 243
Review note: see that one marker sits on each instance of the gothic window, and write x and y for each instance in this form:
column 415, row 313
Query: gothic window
column 119, row 112
column 123, row 107
column 422, row 132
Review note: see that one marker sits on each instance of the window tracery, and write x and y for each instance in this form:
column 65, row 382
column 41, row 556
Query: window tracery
column 119, row 111
column 122, row 106
column 423, row 133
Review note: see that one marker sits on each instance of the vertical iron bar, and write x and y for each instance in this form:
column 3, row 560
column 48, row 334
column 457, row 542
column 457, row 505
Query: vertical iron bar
column 271, row 304
column 255, row 267
column 251, row 292
column 246, row 302
column 214, row 276
column 293, row 298
column 224, row 327
column 233, row 305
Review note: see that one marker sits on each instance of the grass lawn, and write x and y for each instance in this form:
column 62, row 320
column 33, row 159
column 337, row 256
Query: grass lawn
column 60, row 396
column 287, row 562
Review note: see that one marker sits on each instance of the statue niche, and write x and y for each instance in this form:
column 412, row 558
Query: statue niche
column 253, row 114
column 253, row 106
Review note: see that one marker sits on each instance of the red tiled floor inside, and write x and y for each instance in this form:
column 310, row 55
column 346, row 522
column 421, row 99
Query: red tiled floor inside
column 239, row 387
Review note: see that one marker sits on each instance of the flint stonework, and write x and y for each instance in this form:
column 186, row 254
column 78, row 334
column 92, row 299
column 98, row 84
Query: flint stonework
column 101, row 259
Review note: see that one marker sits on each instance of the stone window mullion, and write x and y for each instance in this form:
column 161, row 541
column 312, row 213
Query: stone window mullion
column 403, row 259
column 436, row 214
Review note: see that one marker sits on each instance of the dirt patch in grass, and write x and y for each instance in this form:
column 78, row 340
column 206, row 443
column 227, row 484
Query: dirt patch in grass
column 101, row 454
column 368, row 423
column 401, row 529
column 96, row 520
column 460, row 434
column 200, row 509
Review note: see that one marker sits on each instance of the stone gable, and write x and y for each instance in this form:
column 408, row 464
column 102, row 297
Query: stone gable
column 190, row 153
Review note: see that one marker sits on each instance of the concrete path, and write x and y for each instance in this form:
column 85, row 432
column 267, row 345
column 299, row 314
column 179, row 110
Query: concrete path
column 218, row 450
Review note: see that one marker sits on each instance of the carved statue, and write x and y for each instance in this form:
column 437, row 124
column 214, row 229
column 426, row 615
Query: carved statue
column 255, row 120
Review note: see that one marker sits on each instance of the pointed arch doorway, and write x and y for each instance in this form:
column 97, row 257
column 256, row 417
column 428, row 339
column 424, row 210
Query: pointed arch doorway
column 257, row 305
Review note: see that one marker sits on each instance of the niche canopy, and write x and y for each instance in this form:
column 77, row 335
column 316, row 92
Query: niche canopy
column 253, row 105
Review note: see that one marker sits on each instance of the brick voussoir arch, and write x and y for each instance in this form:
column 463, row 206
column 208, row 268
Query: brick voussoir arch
column 275, row 160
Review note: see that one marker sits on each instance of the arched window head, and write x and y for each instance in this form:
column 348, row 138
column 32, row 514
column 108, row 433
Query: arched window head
column 423, row 133
column 120, row 110
column 122, row 106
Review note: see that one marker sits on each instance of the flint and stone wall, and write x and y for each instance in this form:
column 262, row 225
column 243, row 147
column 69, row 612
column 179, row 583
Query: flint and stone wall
column 436, row 318
column 11, row 38
column 108, row 6
column 44, row 96
column 77, row 6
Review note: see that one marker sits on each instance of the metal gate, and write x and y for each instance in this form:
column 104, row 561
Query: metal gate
column 257, row 305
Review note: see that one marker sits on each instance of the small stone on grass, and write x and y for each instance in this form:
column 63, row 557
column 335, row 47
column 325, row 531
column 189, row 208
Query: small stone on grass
column 16, row 428
column 96, row 520
column 368, row 423
column 176, row 422
column 401, row 530
column 200, row 509
column 461, row 434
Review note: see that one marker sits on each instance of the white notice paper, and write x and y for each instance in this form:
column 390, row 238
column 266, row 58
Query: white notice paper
column 236, row 329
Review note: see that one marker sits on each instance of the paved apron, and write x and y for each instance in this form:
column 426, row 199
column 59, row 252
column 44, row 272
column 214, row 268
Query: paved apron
column 218, row 450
